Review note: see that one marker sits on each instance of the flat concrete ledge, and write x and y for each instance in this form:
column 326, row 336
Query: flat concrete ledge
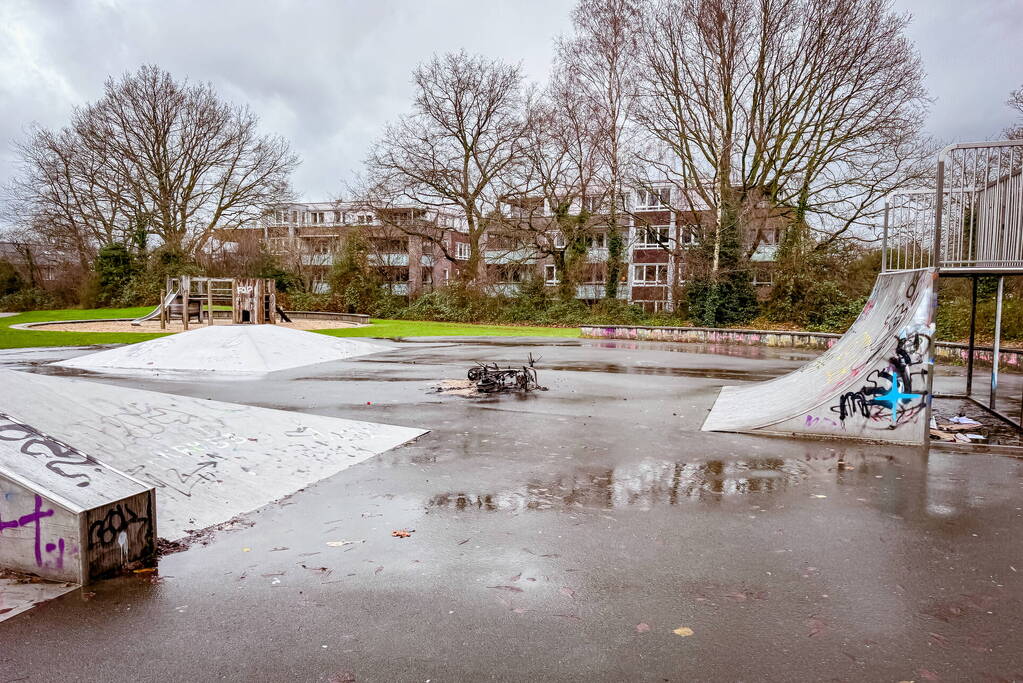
column 360, row 318
column 948, row 351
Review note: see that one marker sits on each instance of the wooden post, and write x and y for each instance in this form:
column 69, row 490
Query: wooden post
column 186, row 291
column 163, row 309
column 271, row 286
column 235, row 315
column 257, row 299
column 209, row 302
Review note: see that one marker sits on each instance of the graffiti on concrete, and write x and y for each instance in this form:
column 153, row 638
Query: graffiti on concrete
column 888, row 393
column 35, row 518
column 62, row 459
column 113, row 527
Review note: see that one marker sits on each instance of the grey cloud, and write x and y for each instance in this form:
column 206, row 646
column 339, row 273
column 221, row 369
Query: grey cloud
column 328, row 75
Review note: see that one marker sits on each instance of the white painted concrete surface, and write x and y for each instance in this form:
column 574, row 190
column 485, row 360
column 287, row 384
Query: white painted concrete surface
column 208, row 460
column 225, row 350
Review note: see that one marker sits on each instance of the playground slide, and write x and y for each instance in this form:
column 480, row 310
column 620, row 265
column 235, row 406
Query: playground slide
column 873, row 383
column 156, row 311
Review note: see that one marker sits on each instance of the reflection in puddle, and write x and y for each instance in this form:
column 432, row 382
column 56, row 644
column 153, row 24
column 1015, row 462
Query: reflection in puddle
column 642, row 485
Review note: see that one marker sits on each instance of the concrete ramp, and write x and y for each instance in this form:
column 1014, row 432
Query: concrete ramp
column 872, row 384
column 208, row 460
column 65, row 515
column 224, row 351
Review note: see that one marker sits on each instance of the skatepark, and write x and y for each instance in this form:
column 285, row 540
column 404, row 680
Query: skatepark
column 684, row 510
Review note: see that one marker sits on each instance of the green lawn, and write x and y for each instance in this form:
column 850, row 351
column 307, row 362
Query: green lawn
column 16, row 339
column 420, row 328
column 12, row 339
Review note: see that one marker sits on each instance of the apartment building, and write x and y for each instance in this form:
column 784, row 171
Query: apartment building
column 414, row 248
column 417, row 249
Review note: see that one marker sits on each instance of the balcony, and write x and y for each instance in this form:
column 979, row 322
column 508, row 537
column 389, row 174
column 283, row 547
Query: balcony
column 596, row 255
column 397, row 288
column 317, row 259
column 504, row 256
column 388, row 259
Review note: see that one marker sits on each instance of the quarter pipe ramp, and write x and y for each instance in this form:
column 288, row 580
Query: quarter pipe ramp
column 873, row 383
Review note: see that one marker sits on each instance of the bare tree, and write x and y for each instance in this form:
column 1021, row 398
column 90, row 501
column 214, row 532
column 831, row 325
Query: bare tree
column 457, row 150
column 600, row 61
column 1015, row 101
column 169, row 155
column 564, row 197
column 814, row 106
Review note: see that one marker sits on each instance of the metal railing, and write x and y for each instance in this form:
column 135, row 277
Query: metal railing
column 979, row 220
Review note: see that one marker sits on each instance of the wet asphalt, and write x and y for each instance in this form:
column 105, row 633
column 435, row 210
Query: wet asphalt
column 586, row 533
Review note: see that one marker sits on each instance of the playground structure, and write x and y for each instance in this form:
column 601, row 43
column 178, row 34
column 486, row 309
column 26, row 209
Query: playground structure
column 239, row 300
column 876, row 382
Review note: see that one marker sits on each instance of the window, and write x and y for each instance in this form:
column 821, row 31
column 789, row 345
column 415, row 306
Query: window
column 337, row 217
column 364, row 218
column 653, row 199
column 650, row 274
column 427, row 276
column 446, row 275
column 598, row 241
column 687, row 234
column 462, row 251
column 593, row 204
column 550, row 274
column 559, row 240
column 652, row 237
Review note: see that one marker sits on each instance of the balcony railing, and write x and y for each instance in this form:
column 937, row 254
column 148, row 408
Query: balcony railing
column 317, row 259
column 396, row 259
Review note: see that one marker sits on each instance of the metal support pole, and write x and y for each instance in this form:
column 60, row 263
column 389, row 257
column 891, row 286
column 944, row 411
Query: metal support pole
column 884, row 237
column 938, row 207
column 973, row 337
column 209, row 302
column 996, row 353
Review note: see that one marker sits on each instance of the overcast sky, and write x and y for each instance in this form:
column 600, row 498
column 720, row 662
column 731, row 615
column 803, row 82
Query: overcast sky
column 328, row 74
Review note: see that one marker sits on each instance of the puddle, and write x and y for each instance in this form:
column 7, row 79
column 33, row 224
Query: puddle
column 642, row 485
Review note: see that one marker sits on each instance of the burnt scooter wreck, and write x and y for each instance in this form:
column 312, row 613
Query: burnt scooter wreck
column 490, row 379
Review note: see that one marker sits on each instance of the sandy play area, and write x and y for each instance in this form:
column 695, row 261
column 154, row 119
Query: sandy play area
column 174, row 326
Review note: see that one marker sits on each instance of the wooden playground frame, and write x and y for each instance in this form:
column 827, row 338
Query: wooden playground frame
column 252, row 300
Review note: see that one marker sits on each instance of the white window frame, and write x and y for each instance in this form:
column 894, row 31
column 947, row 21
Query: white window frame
column 655, row 198
column 550, row 274
column 559, row 240
column 643, row 236
column 462, row 251
column 642, row 272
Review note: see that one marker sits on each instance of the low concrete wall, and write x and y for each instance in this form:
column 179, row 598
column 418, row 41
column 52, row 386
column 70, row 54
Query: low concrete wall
column 360, row 318
column 1011, row 359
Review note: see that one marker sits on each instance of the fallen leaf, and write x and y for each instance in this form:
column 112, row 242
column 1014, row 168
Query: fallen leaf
column 565, row 590
column 401, row 533
column 516, row 577
column 642, row 628
column 342, row 677
column 246, row 550
column 462, row 542
column 513, row 589
column 338, row 544
column 817, row 626
column 378, row 570
column 683, row 631
column 145, row 570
